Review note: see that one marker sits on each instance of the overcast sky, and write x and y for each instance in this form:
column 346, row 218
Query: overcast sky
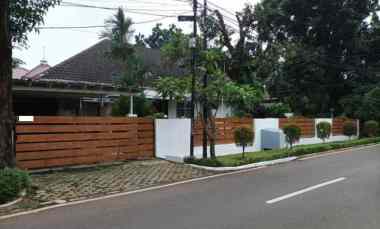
column 62, row 44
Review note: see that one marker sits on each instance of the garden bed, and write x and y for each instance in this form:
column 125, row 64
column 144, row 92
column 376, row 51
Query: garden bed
column 255, row 157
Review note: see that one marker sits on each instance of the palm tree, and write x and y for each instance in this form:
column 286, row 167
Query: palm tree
column 119, row 31
column 119, row 28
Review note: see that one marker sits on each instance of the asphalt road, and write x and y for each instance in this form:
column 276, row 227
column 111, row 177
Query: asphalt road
column 336, row 191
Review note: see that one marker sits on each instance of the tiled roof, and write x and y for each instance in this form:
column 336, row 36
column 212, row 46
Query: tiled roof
column 19, row 72
column 37, row 72
column 94, row 65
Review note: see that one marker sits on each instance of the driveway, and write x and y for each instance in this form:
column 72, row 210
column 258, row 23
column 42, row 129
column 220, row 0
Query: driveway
column 335, row 191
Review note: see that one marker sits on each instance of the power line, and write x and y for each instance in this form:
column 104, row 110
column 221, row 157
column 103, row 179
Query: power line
column 72, row 4
column 221, row 8
column 100, row 26
column 134, row 11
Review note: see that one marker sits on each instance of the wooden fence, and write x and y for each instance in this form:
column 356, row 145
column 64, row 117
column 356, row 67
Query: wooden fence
column 225, row 129
column 337, row 125
column 307, row 125
column 62, row 141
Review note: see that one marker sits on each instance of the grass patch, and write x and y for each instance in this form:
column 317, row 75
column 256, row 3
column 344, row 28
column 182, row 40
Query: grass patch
column 254, row 157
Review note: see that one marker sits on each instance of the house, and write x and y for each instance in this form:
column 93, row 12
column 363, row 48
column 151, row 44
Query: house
column 86, row 84
column 19, row 72
column 37, row 72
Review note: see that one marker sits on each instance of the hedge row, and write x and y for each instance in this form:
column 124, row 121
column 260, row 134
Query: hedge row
column 237, row 160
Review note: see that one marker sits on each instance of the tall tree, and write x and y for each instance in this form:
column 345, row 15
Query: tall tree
column 240, row 54
column 6, row 116
column 159, row 36
column 119, row 31
column 17, row 17
column 320, row 44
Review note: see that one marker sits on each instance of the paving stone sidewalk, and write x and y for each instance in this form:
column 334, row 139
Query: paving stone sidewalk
column 77, row 184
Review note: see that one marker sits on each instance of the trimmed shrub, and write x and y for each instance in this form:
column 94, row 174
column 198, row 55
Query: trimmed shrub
column 12, row 182
column 323, row 130
column 371, row 129
column 243, row 138
column 292, row 134
column 349, row 129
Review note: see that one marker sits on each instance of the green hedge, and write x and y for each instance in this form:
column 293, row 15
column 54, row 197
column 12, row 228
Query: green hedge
column 237, row 160
column 12, row 182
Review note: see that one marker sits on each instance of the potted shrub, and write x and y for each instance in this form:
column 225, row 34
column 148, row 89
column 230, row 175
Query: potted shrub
column 12, row 183
column 371, row 128
column 243, row 138
column 349, row 129
column 323, row 131
column 292, row 134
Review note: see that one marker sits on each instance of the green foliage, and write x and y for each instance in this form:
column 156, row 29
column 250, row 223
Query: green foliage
column 314, row 49
column 371, row 129
column 173, row 88
column 254, row 157
column 370, row 109
column 292, row 134
column 118, row 28
column 25, row 15
column 323, row 130
column 243, row 137
column 272, row 111
column 142, row 106
column 119, row 31
column 161, row 36
column 349, row 129
column 176, row 51
column 12, row 182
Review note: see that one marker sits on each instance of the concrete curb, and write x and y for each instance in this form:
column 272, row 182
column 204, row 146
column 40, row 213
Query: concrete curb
column 11, row 203
column 244, row 167
column 21, row 197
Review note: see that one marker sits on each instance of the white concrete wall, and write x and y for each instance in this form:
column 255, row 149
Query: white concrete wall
column 172, row 138
column 315, row 140
column 221, row 150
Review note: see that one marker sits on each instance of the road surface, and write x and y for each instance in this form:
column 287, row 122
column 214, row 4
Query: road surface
column 336, row 191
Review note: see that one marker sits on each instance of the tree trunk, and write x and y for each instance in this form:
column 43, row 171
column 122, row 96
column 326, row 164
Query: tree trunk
column 205, row 139
column 7, row 156
column 212, row 136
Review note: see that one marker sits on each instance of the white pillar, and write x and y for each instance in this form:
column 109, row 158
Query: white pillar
column 172, row 109
column 131, row 107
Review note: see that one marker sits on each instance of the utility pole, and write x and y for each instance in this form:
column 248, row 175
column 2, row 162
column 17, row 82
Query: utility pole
column 194, row 57
column 205, row 104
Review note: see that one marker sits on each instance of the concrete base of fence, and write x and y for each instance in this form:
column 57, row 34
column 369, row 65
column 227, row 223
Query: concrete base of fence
column 243, row 167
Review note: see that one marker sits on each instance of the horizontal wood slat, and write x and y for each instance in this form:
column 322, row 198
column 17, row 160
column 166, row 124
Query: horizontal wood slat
column 307, row 125
column 225, row 129
column 61, row 141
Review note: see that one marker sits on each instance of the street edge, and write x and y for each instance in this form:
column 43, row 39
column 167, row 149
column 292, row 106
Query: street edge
column 127, row 193
column 283, row 160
